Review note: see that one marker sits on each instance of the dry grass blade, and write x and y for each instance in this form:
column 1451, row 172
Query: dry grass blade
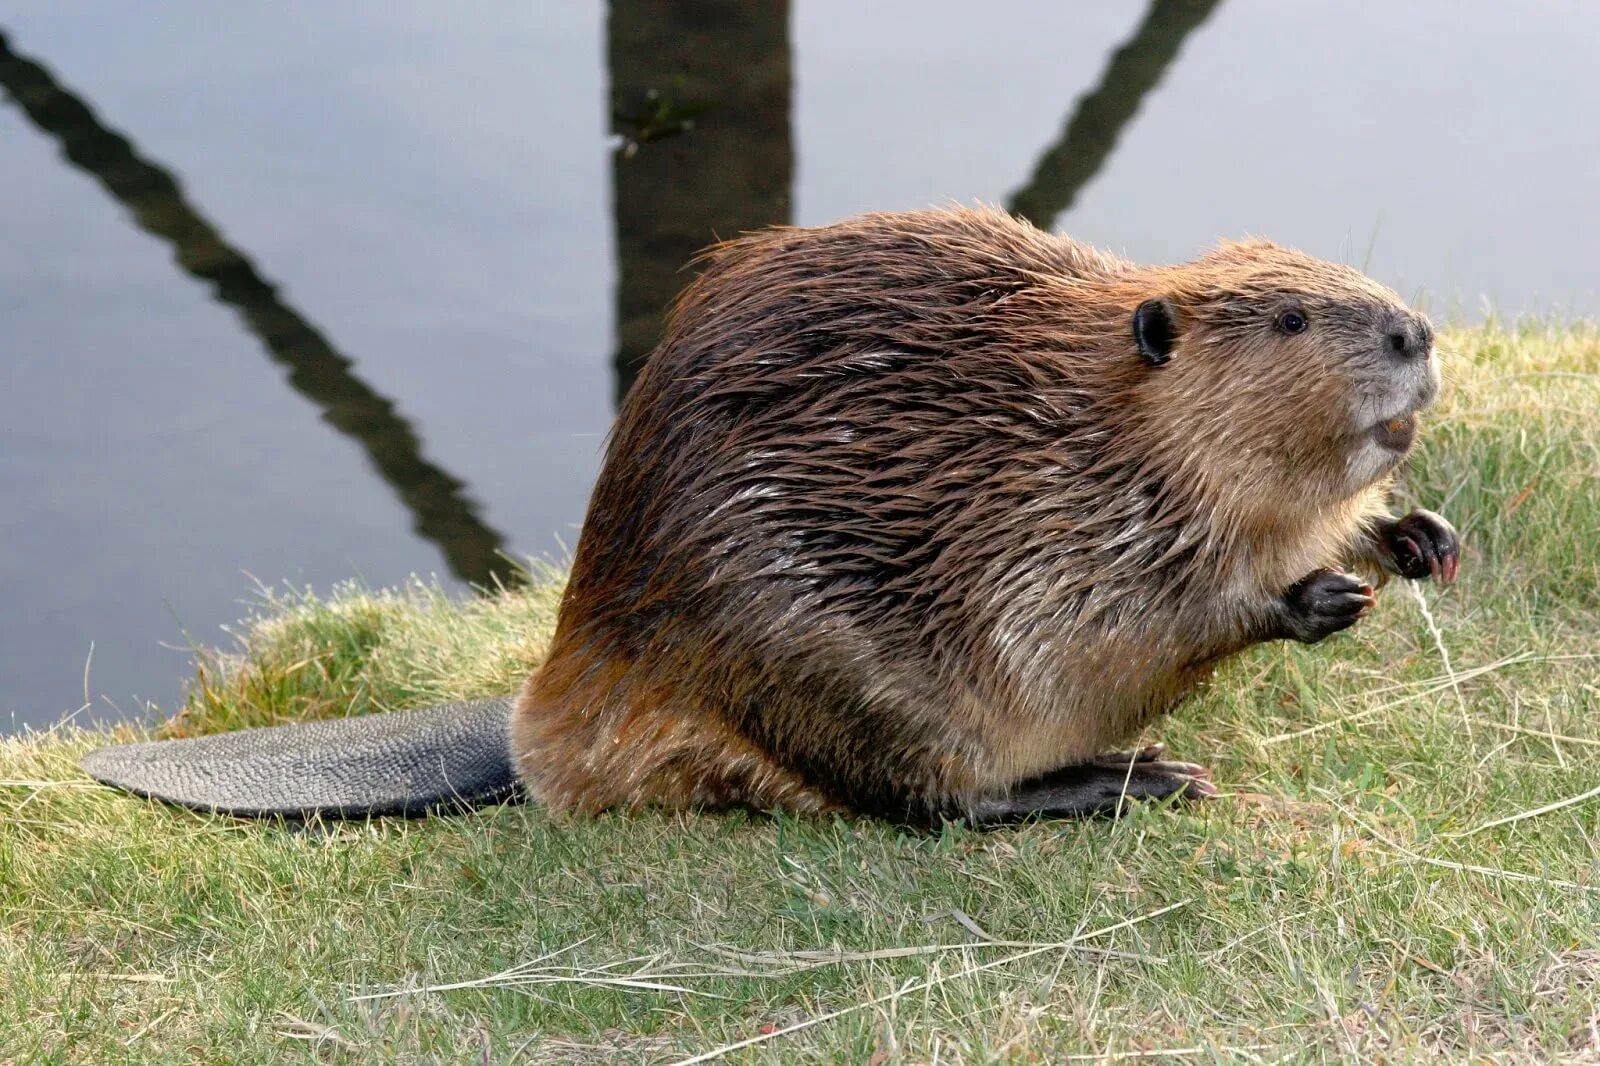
column 965, row 971
column 1542, row 734
column 140, row 1034
column 1444, row 653
column 1461, row 867
column 965, row 921
column 315, row 1033
column 1522, row 816
column 1494, row 871
column 1430, row 687
column 786, row 962
column 1167, row 1052
column 526, row 975
column 509, row 979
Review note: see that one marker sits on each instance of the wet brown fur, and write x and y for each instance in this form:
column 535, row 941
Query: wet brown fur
column 897, row 516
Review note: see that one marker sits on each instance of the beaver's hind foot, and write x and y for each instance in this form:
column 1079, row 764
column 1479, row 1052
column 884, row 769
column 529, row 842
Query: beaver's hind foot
column 1102, row 786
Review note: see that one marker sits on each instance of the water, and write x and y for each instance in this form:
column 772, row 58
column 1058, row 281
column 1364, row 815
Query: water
column 319, row 292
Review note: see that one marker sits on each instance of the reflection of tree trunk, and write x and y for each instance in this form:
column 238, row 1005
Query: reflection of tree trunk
column 700, row 100
column 440, row 510
column 1098, row 119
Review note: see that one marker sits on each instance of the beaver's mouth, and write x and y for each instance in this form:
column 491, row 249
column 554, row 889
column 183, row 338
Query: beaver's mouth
column 1397, row 433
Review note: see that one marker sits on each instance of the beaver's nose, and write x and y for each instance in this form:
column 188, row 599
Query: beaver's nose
column 1410, row 337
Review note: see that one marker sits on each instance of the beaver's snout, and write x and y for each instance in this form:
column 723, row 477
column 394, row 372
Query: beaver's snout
column 1407, row 373
column 1407, row 381
column 1410, row 337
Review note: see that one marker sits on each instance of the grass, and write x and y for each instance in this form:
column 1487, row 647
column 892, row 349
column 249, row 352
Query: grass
column 1402, row 867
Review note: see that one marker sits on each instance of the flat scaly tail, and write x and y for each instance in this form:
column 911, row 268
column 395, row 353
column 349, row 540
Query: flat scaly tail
column 449, row 757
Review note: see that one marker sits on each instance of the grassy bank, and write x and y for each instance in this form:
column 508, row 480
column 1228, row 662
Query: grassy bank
column 1397, row 868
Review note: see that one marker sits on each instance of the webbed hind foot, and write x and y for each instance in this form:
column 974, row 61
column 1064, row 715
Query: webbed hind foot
column 1101, row 786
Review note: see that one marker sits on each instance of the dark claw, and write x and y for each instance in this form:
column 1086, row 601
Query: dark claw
column 1148, row 758
column 1323, row 603
column 1420, row 545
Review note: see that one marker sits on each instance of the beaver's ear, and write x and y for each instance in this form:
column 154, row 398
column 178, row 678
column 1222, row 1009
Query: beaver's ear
column 1155, row 330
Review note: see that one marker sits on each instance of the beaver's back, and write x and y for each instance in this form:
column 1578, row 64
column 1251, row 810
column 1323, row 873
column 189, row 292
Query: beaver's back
column 826, row 402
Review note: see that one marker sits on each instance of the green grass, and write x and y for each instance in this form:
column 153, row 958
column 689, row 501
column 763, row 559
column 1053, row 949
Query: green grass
column 1350, row 898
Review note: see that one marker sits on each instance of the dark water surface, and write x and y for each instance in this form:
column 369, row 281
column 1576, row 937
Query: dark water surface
column 309, row 292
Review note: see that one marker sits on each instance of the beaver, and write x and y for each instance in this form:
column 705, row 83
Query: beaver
column 919, row 516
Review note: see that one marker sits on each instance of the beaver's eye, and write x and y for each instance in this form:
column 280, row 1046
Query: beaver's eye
column 1292, row 322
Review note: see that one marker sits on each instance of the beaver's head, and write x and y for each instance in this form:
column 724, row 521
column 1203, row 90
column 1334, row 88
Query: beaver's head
column 1292, row 369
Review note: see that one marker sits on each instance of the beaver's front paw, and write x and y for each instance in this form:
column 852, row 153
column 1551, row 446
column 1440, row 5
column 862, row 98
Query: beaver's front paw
column 1323, row 603
column 1420, row 545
